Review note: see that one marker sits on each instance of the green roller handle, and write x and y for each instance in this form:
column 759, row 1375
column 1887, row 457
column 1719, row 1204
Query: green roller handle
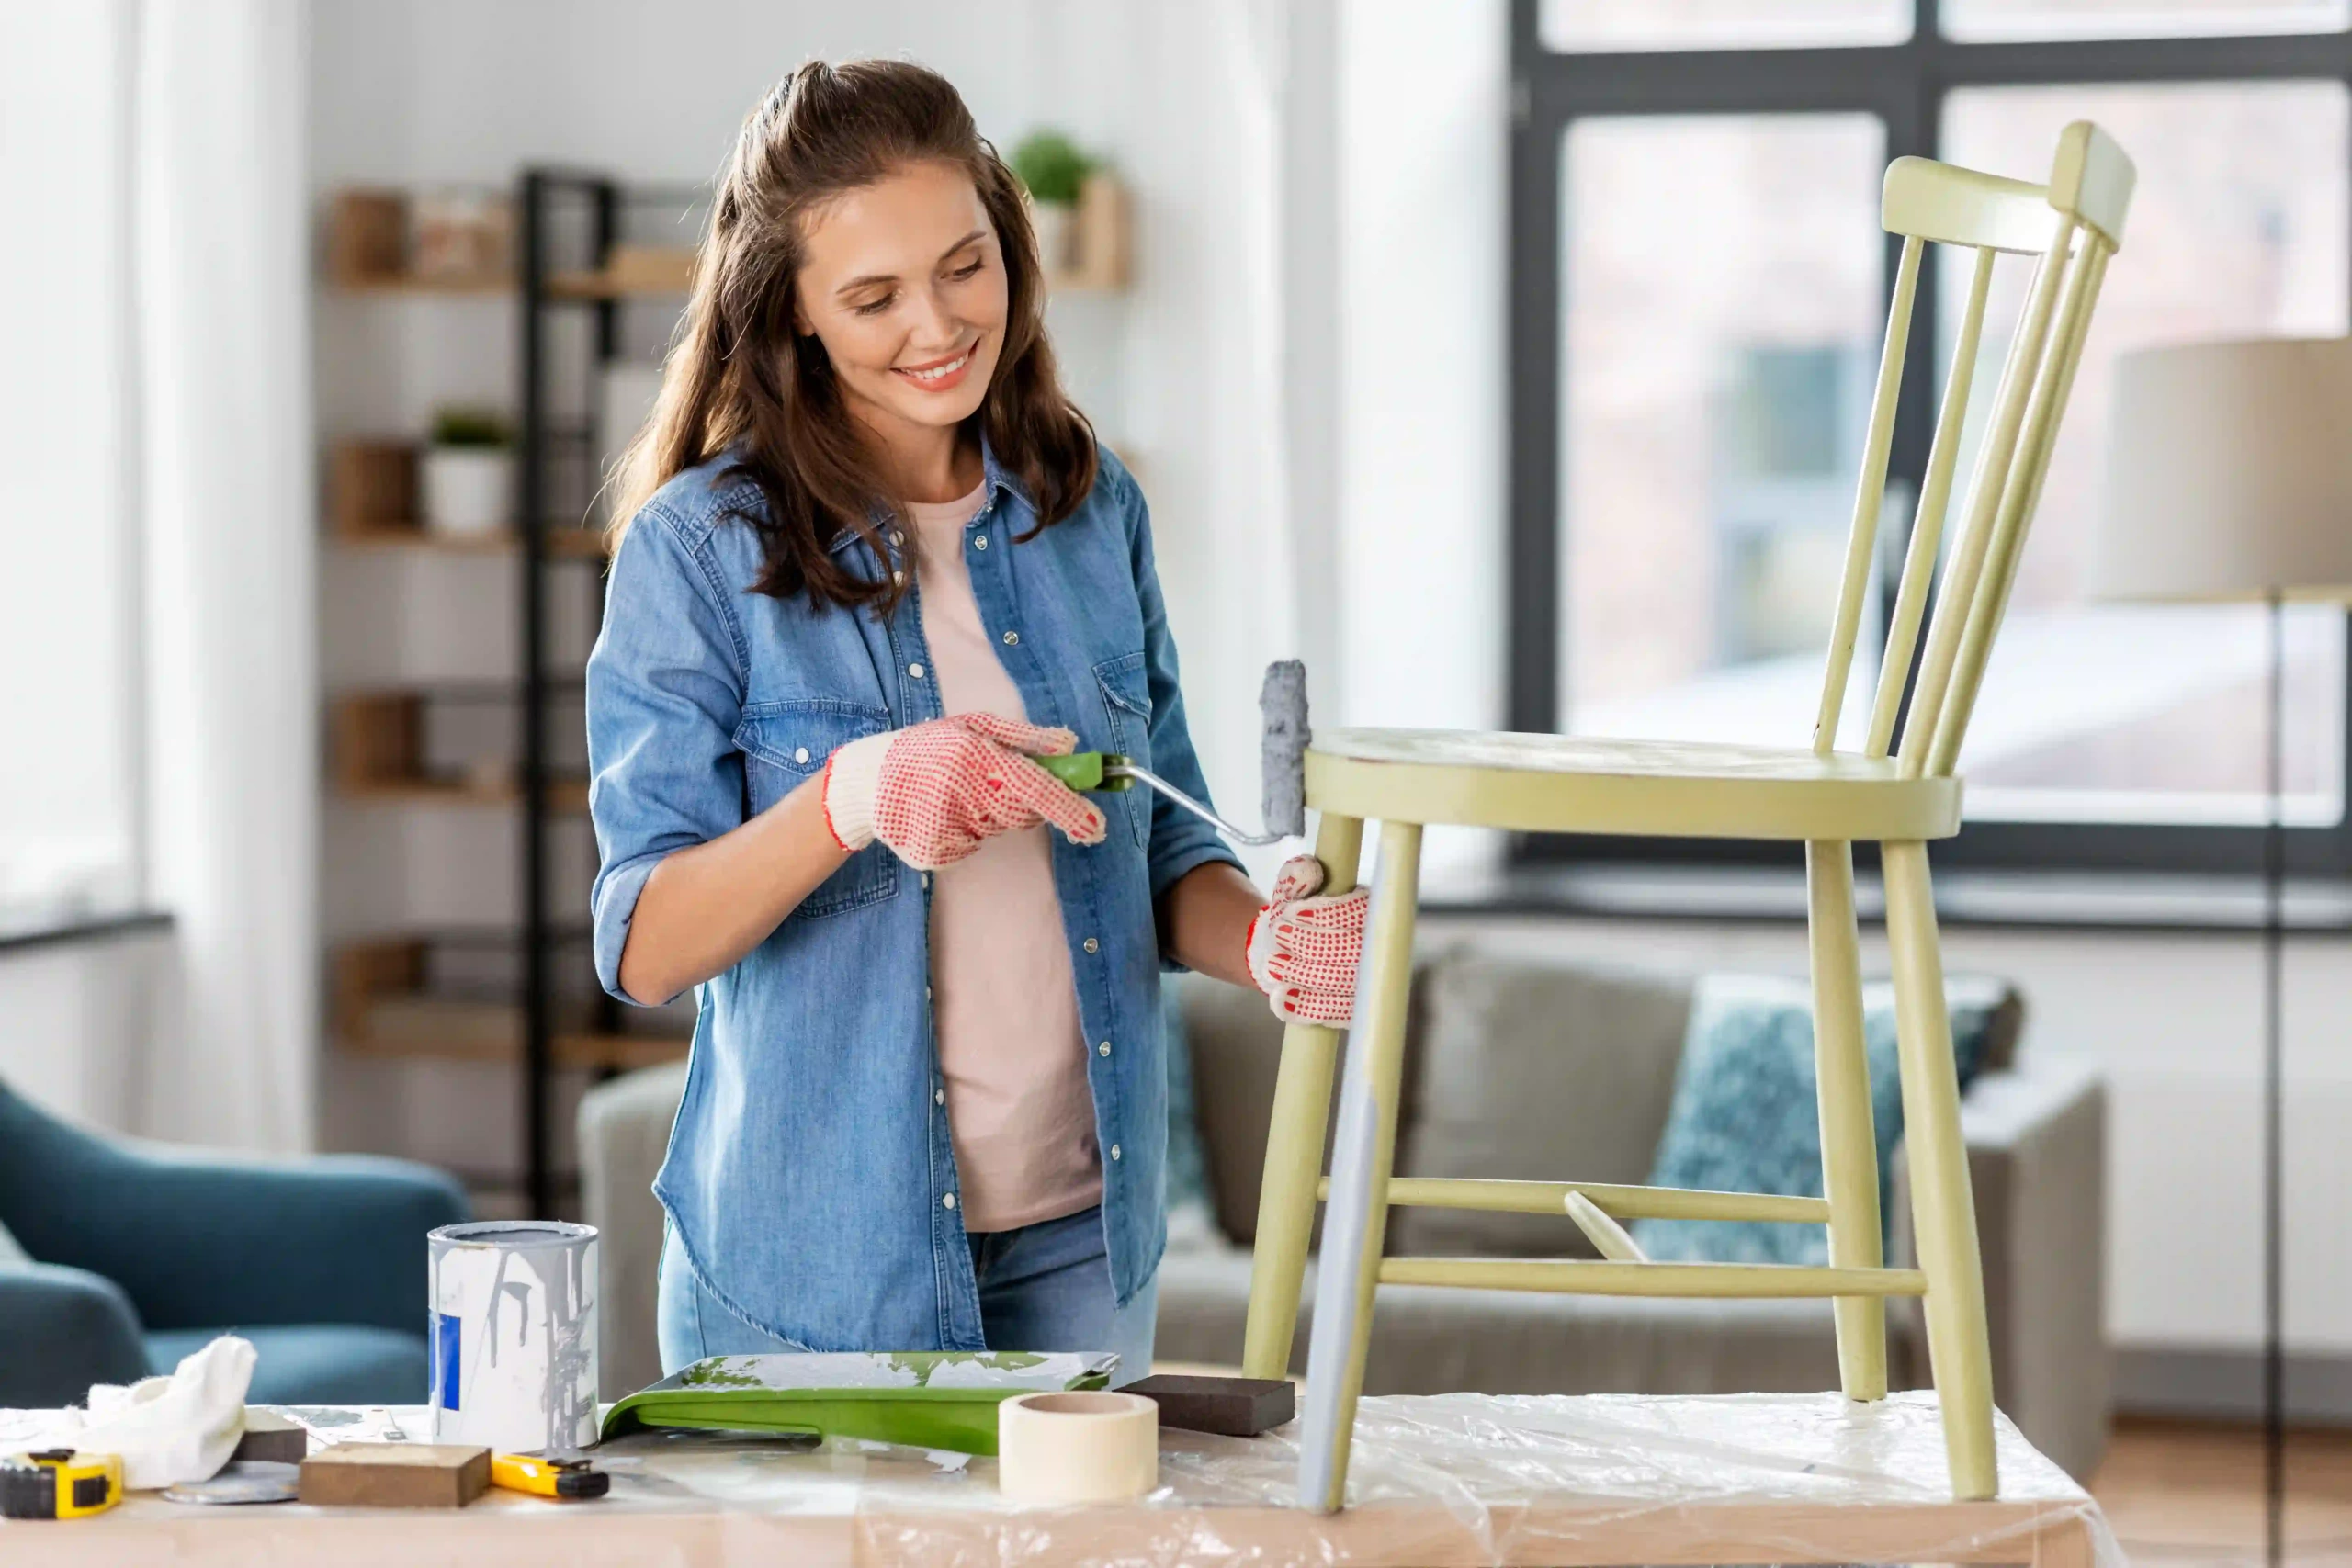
column 1086, row 770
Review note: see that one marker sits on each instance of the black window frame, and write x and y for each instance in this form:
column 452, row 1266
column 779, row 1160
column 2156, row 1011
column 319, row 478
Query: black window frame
column 1903, row 84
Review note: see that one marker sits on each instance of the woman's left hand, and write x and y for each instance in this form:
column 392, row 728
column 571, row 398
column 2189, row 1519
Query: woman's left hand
column 1303, row 950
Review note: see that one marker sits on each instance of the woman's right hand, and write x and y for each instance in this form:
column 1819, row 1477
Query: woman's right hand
column 933, row 791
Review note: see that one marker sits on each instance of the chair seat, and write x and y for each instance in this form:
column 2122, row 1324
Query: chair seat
column 315, row 1363
column 1558, row 783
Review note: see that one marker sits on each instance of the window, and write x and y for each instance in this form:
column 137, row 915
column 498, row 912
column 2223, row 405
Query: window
column 1694, row 202
column 68, row 790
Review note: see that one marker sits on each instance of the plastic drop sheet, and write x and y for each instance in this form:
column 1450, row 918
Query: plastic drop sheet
column 1439, row 1481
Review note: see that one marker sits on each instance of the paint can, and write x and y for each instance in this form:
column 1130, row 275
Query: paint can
column 514, row 1335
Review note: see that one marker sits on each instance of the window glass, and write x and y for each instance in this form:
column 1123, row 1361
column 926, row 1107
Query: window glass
column 1722, row 278
column 1989, row 20
column 2126, row 712
column 65, row 679
column 1597, row 25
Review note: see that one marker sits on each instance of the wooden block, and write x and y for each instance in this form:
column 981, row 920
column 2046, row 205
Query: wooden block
column 395, row 1475
column 272, row 1438
column 1239, row 1407
column 375, row 739
column 371, row 489
column 367, row 235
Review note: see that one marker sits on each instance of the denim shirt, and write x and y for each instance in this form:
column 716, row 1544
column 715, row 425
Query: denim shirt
column 810, row 1175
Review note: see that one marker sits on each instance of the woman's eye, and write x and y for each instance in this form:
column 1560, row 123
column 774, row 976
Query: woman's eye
column 969, row 269
column 873, row 306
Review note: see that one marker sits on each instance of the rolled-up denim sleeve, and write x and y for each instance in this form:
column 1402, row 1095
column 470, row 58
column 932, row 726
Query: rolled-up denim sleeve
column 665, row 694
column 1179, row 841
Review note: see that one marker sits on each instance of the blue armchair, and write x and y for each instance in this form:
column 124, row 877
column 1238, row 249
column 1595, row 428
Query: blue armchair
column 143, row 1253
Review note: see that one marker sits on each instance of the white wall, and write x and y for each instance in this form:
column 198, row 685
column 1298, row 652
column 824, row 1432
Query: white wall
column 84, row 1020
column 1420, row 390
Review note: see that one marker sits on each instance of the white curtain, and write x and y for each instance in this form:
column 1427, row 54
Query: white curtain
column 1210, row 360
column 222, row 286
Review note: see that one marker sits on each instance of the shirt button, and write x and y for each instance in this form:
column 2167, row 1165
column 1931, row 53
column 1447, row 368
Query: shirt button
column 926, row 888
column 1103, row 1049
column 915, row 671
column 1093, row 946
column 801, row 755
column 897, row 580
column 949, row 1200
column 1115, row 1151
column 980, row 542
column 897, row 537
column 938, row 1096
column 1012, row 639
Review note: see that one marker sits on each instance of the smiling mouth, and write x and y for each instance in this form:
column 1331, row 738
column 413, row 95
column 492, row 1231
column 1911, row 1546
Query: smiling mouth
column 938, row 376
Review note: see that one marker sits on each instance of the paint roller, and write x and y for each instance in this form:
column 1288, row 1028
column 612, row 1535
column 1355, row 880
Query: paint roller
column 1281, row 761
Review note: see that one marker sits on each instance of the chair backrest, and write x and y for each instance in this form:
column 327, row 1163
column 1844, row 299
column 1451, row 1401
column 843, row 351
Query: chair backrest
column 2070, row 227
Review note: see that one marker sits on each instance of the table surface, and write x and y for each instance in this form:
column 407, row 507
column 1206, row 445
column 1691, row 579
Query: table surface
column 1445, row 1480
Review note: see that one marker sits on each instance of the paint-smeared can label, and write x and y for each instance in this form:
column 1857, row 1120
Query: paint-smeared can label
column 445, row 1342
column 514, row 1336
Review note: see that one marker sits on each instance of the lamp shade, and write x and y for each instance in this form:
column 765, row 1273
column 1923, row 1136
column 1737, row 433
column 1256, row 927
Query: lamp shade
column 2229, row 473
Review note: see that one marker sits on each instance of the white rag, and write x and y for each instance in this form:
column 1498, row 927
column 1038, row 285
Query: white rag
column 168, row 1430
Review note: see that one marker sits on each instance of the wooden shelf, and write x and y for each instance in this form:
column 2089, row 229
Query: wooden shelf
column 421, row 284
column 376, row 744
column 565, row 541
column 582, row 1051
column 380, row 1007
column 632, row 272
column 568, row 797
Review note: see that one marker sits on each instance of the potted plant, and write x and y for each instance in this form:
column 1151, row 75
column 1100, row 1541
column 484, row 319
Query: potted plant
column 1053, row 168
column 468, row 473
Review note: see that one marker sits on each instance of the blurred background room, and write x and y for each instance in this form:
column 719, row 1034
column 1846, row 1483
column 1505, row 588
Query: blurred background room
column 1506, row 360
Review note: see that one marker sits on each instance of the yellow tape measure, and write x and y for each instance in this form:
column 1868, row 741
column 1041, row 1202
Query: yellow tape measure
column 59, row 1484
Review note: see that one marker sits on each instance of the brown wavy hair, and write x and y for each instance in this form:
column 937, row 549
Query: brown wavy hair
column 740, row 379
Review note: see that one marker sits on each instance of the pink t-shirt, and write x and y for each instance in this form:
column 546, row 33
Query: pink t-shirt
column 1004, row 1002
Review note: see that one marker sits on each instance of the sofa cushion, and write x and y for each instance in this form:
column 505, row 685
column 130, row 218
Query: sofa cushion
column 314, row 1363
column 1534, row 1071
column 1236, row 1049
column 1744, row 1117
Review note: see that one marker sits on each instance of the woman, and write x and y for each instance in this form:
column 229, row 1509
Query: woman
column 869, row 561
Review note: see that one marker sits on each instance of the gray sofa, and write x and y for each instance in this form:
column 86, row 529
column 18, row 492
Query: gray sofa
column 1545, row 1070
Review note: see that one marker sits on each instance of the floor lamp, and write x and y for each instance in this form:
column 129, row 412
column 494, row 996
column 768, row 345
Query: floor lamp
column 2230, row 480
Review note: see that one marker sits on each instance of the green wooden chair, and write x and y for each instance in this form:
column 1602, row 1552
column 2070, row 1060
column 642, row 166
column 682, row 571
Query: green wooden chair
column 1899, row 794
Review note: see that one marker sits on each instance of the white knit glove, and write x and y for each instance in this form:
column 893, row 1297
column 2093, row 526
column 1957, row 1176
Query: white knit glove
column 1304, row 951
column 933, row 791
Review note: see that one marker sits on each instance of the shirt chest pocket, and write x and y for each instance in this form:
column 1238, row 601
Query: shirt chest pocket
column 784, row 745
column 1126, row 698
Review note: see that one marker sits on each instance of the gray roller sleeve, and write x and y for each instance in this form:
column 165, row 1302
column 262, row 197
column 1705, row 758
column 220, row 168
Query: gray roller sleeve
column 1282, row 747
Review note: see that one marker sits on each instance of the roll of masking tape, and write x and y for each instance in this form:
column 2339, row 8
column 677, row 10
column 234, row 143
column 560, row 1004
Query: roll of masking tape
column 1077, row 1447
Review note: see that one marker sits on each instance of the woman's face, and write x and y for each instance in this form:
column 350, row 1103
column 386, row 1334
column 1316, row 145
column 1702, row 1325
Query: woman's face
column 904, row 285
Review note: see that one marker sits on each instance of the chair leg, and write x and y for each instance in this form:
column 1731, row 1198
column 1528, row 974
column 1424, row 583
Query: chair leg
column 1363, row 1155
column 1942, row 1205
column 1295, row 1148
column 1849, row 1142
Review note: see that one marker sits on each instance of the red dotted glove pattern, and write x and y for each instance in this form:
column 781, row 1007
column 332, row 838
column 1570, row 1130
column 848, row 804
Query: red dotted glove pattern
column 946, row 786
column 1303, row 950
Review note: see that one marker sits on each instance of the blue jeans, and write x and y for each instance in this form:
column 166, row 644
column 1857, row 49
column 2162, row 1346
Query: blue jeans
column 1043, row 1287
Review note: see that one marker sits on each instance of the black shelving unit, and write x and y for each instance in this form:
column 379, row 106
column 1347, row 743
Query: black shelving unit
column 568, row 223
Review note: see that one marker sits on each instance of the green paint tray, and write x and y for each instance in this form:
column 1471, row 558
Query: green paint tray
column 923, row 1399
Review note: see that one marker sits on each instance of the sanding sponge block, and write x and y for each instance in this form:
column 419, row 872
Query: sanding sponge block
column 396, row 1476
column 1237, row 1408
column 271, row 1437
